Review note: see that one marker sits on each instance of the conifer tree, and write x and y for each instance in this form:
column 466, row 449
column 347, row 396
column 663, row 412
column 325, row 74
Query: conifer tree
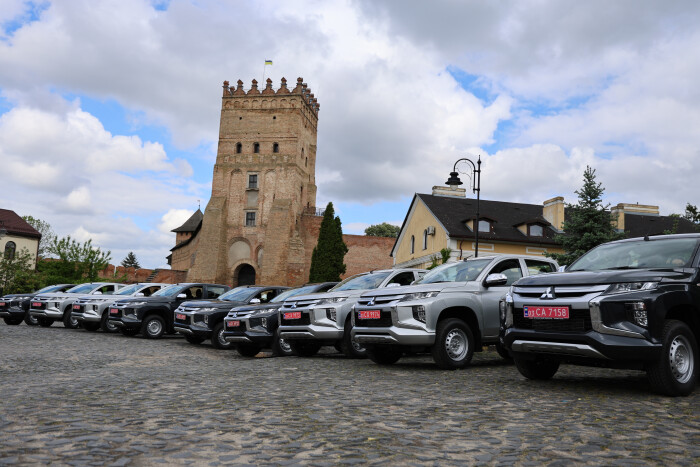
column 587, row 224
column 130, row 261
column 327, row 258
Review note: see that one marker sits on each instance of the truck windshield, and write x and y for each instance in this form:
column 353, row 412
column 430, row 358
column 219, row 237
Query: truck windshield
column 83, row 288
column 638, row 254
column 129, row 290
column 455, row 272
column 239, row 294
column 367, row 281
column 292, row 292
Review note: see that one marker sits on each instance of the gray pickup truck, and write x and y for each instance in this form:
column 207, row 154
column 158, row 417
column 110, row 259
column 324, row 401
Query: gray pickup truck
column 451, row 312
column 51, row 307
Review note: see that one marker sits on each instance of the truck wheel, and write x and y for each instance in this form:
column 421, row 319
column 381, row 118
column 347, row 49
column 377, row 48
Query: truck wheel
column 454, row 344
column 192, row 339
column 13, row 321
column 280, row 347
column 304, row 349
column 91, row 326
column 383, row 354
column 105, row 324
column 675, row 374
column 128, row 332
column 348, row 346
column 153, row 327
column 247, row 350
column 503, row 352
column 45, row 322
column 68, row 320
column 217, row 338
column 30, row 320
column 537, row 368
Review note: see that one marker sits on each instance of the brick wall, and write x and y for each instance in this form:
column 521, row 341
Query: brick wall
column 133, row 275
column 366, row 253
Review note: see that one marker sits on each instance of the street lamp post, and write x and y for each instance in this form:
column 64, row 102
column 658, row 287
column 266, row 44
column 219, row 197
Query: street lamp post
column 454, row 182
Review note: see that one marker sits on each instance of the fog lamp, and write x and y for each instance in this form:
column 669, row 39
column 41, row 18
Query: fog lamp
column 331, row 314
column 639, row 313
column 419, row 313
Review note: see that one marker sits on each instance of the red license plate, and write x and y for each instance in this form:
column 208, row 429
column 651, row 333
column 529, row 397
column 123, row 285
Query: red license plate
column 36, row 304
column 370, row 314
column 293, row 315
column 2, row 303
column 76, row 307
column 546, row 312
column 180, row 316
column 233, row 324
column 113, row 311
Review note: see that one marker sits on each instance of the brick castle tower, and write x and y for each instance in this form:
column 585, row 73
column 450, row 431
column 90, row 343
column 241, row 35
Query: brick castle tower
column 260, row 224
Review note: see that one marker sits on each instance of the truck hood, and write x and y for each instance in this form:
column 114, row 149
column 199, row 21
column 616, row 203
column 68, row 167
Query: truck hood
column 608, row 277
column 218, row 304
column 432, row 287
column 321, row 296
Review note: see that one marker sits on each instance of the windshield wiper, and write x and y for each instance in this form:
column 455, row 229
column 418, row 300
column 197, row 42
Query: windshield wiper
column 620, row 267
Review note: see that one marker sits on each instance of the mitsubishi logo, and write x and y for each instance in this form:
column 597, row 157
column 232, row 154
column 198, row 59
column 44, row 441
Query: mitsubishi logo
column 294, row 305
column 371, row 302
column 548, row 294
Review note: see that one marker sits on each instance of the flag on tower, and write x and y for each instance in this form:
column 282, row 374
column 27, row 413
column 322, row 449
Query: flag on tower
column 268, row 62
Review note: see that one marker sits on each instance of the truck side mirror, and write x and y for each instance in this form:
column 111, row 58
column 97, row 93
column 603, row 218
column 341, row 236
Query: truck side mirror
column 495, row 280
column 255, row 301
column 561, row 269
column 181, row 295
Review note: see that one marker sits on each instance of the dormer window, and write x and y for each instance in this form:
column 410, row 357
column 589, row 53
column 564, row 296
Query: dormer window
column 484, row 226
column 535, row 230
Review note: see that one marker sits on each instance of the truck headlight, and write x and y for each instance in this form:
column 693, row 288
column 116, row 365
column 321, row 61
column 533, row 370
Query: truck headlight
column 418, row 296
column 326, row 301
column 624, row 287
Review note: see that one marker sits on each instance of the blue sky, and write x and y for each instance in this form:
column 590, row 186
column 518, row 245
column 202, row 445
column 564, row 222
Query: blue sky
column 109, row 110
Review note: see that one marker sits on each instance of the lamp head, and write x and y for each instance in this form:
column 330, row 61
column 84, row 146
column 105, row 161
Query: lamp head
column 454, row 180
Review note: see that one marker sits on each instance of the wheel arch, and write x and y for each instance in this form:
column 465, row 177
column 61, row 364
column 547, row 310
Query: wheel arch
column 468, row 316
column 687, row 314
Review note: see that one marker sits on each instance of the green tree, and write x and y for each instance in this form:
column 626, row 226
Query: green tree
column 83, row 260
column 692, row 214
column 327, row 258
column 130, row 261
column 383, row 230
column 16, row 273
column 47, row 234
column 588, row 222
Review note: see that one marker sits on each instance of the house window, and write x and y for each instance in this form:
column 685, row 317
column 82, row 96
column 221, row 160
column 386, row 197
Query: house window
column 413, row 244
column 484, row 226
column 10, row 248
column 256, row 148
column 534, row 230
column 425, row 239
column 239, row 148
column 250, row 219
column 253, row 181
column 275, row 148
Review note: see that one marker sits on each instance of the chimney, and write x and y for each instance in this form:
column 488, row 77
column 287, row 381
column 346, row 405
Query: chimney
column 449, row 192
column 622, row 209
column 553, row 211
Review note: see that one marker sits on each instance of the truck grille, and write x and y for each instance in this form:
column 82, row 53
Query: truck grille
column 383, row 322
column 579, row 321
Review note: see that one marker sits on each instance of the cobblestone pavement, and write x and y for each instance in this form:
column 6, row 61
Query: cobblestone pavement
column 79, row 398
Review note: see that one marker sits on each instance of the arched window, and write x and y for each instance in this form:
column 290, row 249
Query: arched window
column 425, row 239
column 10, row 248
column 413, row 244
column 239, row 148
column 275, row 148
column 256, row 148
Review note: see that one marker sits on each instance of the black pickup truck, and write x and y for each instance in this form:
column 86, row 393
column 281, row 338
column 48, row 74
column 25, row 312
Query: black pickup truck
column 153, row 316
column 14, row 308
column 632, row 304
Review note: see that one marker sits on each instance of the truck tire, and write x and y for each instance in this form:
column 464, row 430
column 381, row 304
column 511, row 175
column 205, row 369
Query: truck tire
column 106, row 325
column 280, row 347
column 217, row 338
column 128, row 332
column 45, row 322
column 194, row 340
column 30, row 320
column 454, row 344
column 68, row 320
column 153, row 327
column 13, row 321
column 676, row 372
column 383, row 354
column 536, row 368
column 304, row 348
column 348, row 346
column 247, row 350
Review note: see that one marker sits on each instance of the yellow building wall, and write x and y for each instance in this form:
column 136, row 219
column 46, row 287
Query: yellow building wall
column 31, row 244
column 421, row 219
column 466, row 247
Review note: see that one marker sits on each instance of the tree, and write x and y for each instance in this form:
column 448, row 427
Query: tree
column 84, row 261
column 588, row 222
column 16, row 273
column 383, row 230
column 130, row 261
column 47, row 234
column 691, row 213
column 327, row 258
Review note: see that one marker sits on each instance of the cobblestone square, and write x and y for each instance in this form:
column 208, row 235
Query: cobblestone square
column 73, row 397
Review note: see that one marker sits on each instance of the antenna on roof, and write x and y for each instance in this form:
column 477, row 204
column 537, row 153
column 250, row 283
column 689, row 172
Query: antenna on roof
column 646, row 238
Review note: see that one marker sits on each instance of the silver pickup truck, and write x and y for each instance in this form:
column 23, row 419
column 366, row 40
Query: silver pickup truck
column 308, row 322
column 51, row 307
column 451, row 312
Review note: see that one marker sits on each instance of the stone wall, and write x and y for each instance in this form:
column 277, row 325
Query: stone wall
column 366, row 253
column 133, row 275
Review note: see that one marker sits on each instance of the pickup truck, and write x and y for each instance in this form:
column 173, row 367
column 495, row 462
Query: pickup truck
column 58, row 306
column 153, row 316
column 632, row 304
column 308, row 322
column 14, row 308
column 451, row 312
